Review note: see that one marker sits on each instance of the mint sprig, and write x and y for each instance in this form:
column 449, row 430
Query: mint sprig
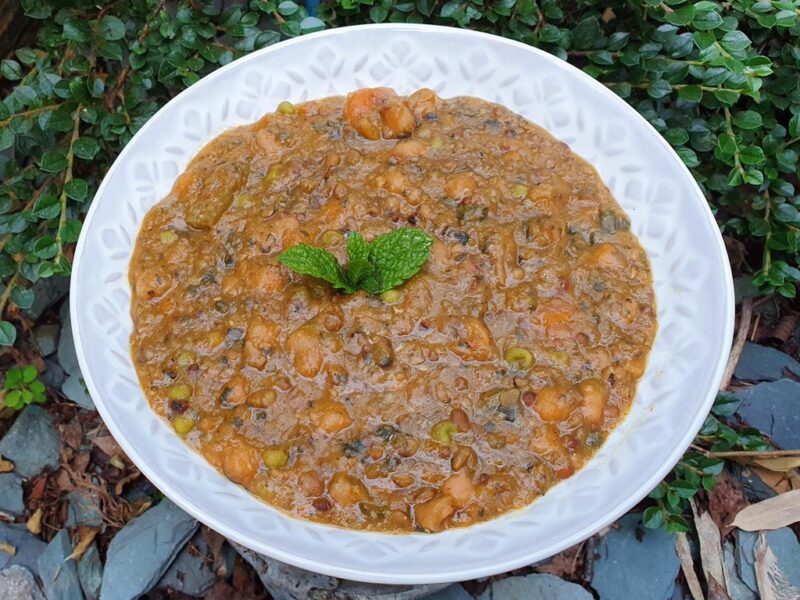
column 386, row 262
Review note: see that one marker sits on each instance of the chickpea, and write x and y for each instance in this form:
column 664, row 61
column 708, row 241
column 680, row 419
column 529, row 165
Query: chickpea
column 347, row 490
column 303, row 344
column 240, row 463
column 459, row 185
column 595, row 395
column 552, row 403
column 311, row 483
column 459, row 487
column 432, row 514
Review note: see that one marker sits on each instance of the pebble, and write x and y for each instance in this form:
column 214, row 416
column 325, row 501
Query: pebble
column 67, row 357
column 18, row 583
column 143, row 550
column 191, row 573
column 784, row 546
column 737, row 590
column 28, row 547
column 84, row 509
column 535, row 586
column 292, row 583
column 634, row 562
column 74, row 389
column 90, row 573
column 762, row 363
column 59, row 576
column 46, row 292
column 46, row 337
column 11, row 494
column 53, row 375
column 773, row 408
column 33, row 443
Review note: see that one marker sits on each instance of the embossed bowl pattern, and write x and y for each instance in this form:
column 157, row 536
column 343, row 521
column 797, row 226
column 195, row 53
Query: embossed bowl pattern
column 668, row 212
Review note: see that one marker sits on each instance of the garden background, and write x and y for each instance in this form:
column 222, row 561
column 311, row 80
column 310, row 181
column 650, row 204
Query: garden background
column 719, row 80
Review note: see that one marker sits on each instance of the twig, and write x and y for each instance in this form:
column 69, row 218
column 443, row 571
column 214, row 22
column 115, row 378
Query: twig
column 9, row 286
column 738, row 344
column 753, row 453
column 76, row 121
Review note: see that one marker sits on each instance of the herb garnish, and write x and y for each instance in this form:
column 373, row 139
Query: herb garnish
column 386, row 262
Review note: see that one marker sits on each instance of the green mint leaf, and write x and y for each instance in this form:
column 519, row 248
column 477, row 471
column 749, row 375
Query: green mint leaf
column 398, row 256
column 359, row 267
column 315, row 262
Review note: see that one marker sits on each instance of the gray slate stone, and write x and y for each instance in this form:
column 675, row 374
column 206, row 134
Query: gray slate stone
column 11, row 494
column 191, row 572
column 754, row 488
column 84, row 509
column 67, row 356
column 46, row 337
column 32, row 443
column 18, row 583
column 634, row 562
column 143, row 550
column 59, row 576
column 53, row 375
column 46, row 293
column 736, row 587
column 535, row 586
column 28, row 547
column 90, row 573
column 74, row 389
column 784, row 546
column 453, row 592
column 773, row 408
column 290, row 583
column 762, row 363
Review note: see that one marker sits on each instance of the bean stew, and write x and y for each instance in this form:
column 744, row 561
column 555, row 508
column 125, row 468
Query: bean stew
column 468, row 391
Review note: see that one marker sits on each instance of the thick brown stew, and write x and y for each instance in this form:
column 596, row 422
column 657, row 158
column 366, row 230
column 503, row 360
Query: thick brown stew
column 491, row 375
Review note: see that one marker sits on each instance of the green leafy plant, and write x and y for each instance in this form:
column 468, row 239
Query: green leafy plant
column 22, row 388
column 374, row 267
column 697, row 470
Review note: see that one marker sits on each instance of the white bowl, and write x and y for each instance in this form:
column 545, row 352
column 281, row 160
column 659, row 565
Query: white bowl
column 668, row 212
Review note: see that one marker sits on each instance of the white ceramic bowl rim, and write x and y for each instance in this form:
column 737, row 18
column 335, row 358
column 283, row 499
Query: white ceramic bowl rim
column 668, row 211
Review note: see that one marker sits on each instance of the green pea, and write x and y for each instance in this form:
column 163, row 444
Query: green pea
column 443, row 431
column 168, row 236
column 286, row 108
column 519, row 358
column 519, row 191
column 180, row 391
column 183, row 424
column 331, row 237
column 273, row 173
column 391, row 296
column 185, row 359
column 275, row 458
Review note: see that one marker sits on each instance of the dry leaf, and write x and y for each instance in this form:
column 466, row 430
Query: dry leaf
column 87, row 535
column 779, row 482
column 608, row 15
column 710, row 547
column 772, row 513
column 121, row 483
column 109, row 445
column 779, row 464
column 562, row 564
column 34, row 524
column 115, row 461
column 7, row 548
column 772, row 583
column 687, row 564
column 6, row 466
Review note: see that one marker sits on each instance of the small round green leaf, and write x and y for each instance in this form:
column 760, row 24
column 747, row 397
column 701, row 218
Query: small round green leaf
column 8, row 334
